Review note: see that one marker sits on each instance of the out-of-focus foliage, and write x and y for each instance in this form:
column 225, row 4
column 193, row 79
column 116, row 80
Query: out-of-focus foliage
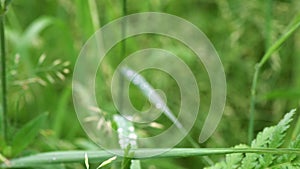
column 44, row 39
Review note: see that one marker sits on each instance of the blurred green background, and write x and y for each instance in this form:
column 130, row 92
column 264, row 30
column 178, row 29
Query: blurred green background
column 44, row 38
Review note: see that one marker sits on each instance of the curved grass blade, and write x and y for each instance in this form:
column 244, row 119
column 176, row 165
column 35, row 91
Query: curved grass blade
column 147, row 89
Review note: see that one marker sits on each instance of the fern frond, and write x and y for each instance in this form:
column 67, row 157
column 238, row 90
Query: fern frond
column 294, row 144
column 289, row 160
column 234, row 160
column 219, row 165
column 262, row 140
column 270, row 137
column 277, row 138
column 279, row 133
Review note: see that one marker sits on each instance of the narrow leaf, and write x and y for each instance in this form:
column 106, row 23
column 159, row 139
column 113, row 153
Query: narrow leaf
column 106, row 162
column 27, row 133
column 35, row 29
column 7, row 2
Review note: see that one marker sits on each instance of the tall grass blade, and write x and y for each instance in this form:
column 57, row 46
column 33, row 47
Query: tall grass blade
column 27, row 133
column 35, row 29
column 155, row 99
column 3, row 112
column 147, row 89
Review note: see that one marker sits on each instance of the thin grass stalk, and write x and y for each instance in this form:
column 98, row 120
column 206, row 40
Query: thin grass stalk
column 268, row 43
column 258, row 67
column 296, row 130
column 252, row 105
column 122, row 53
column 268, row 23
column 3, row 114
column 133, row 163
column 94, row 14
column 130, row 74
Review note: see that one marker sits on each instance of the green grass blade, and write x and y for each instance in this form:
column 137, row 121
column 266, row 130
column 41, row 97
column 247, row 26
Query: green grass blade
column 83, row 18
column 130, row 74
column 61, row 115
column 27, row 133
column 3, row 112
column 7, row 2
column 35, row 29
column 279, row 42
column 94, row 14
column 98, row 156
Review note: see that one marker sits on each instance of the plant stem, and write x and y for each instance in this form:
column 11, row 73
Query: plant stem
column 278, row 43
column 268, row 23
column 122, row 54
column 252, row 104
column 96, row 156
column 94, row 14
column 259, row 65
column 3, row 114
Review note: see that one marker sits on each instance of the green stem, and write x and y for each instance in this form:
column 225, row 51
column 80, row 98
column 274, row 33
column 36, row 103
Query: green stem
column 278, row 44
column 259, row 65
column 205, row 159
column 268, row 41
column 122, row 54
column 3, row 114
column 97, row 156
column 123, row 47
column 252, row 104
column 268, row 23
column 94, row 14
